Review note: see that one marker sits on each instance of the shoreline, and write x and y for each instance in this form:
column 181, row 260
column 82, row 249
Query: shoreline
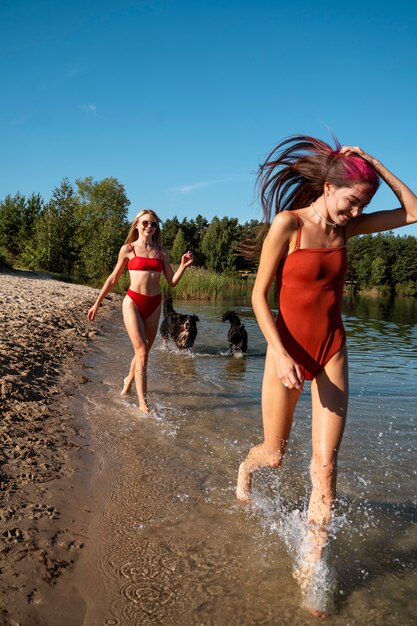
column 46, row 461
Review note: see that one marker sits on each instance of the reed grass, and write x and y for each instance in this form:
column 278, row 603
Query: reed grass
column 198, row 283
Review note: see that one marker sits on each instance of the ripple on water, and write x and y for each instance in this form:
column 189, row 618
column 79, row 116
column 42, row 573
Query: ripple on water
column 183, row 552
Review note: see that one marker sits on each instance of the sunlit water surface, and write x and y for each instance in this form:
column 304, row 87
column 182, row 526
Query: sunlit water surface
column 172, row 545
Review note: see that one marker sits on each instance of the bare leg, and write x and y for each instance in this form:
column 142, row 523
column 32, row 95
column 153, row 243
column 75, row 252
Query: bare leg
column 150, row 328
column 135, row 329
column 278, row 404
column 329, row 401
column 128, row 381
column 142, row 335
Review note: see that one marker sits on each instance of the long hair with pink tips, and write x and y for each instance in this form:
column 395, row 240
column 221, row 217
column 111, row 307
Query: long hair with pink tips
column 294, row 173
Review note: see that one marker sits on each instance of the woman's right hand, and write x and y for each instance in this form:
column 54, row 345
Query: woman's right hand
column 289, row 372
column 92, row 312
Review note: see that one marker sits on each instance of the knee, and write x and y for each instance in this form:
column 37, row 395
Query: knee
column 141, row 356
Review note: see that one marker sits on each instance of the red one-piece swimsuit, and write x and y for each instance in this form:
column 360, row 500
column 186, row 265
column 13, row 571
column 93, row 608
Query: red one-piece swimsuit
column 310, row 289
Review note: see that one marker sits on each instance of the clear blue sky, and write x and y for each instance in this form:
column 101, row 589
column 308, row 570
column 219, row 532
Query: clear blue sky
column 181, row 100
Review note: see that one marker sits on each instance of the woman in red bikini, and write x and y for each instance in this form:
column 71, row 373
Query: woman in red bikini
column 318, row 195
column 145, row 259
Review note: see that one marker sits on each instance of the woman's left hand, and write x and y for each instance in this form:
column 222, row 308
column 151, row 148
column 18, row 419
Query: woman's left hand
column 187, row 258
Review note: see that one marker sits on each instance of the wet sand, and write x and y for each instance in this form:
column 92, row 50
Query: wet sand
column 109, row 517
column 45, row 456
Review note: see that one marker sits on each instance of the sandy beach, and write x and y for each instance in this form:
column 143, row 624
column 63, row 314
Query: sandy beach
column 45, row 458
column 111, row 517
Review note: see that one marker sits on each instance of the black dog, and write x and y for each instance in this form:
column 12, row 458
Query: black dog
column 180, row 327
column 237, row 335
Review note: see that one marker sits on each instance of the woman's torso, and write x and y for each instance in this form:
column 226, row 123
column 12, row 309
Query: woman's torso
column 145, row 267
column 310, row 289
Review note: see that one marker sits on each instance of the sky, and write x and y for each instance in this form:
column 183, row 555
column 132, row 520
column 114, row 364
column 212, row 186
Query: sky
column 181, row 100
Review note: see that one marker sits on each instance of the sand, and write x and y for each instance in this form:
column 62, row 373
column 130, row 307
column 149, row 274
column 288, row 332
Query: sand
column 45, row 457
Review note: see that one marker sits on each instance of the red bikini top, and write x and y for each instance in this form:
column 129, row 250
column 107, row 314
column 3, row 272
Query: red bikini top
column 146, row 264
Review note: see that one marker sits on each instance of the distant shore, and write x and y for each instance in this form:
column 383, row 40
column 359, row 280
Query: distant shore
column 45, row 460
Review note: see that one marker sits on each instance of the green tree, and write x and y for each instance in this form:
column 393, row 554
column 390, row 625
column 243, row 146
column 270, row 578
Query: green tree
column 378, row 272
column 201, row 225
column 103, row 224
column 248, row 234
column 194, row 231
column 27, row 233
column 28, row 256
column 33, row 209
column 404, row 267
column 12, row 211
column 382, row 260
column 55, row 231
column 363, row 271
column 358, row 248
column 169, row 231
column 178, row 247
column 407, row 288
column 218, row 244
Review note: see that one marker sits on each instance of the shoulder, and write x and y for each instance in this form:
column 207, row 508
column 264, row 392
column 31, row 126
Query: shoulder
column 284, row 224
column 125, row 250
column 282, row 232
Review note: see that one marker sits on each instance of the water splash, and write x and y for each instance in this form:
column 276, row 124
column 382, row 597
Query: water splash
column 316, row 577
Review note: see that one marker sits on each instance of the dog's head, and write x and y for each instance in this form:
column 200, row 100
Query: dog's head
column 232, row 317
column 187, row 331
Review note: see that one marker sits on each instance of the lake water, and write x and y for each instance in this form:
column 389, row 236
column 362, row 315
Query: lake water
column 171, row 544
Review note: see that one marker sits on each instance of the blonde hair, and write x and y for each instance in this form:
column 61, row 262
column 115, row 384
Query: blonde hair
column 133, row 233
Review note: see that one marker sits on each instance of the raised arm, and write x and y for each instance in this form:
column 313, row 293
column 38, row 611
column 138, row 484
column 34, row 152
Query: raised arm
column 384, row 220
column 173, row 279
column 111, row 281
column 276, row 244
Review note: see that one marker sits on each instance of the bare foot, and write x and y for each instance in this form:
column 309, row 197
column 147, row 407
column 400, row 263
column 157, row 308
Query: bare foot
column 127, row 384
column 144, row 407
column 317, row 582
column 318, row 613
column 244, row 482
column 303, row 575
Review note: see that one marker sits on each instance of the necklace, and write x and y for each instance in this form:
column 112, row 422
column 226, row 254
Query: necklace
column 147, row 243
column 321, row 217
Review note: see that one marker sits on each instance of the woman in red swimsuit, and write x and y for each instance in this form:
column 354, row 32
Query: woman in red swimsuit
column 318, row 196
column 145, row 259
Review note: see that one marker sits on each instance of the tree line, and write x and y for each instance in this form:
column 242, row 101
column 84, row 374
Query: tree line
column 79, row 231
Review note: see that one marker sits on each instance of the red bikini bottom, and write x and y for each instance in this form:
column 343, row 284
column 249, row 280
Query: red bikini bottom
column 146, row 304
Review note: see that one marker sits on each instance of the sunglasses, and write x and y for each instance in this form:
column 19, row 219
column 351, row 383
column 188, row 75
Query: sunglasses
column 147, row 222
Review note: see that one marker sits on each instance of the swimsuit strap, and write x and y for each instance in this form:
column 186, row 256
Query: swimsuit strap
column 297, row 243
column 132, row 248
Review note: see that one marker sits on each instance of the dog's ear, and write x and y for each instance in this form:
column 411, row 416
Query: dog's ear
column 197, row 319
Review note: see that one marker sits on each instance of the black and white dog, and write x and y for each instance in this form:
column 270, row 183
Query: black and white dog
column 237, row 335
column 179, row 327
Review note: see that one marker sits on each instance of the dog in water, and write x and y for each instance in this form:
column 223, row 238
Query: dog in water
column 237, row 335
column 179, row 327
